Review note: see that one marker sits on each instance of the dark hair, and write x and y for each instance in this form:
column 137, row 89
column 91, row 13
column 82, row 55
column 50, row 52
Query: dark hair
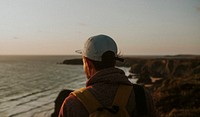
column 108, row 60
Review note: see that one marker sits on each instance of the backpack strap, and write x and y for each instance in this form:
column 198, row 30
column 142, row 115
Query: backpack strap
column 121, row 98
column 140, row 99
column 122, row 95
column 87, row 99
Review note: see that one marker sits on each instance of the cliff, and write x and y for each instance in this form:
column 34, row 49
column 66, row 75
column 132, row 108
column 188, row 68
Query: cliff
column 177, row 93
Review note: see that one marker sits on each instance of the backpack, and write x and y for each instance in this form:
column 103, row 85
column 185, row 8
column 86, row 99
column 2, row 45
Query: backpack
column 118, row 108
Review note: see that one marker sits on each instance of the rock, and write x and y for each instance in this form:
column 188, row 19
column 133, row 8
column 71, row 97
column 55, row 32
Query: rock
column 182, row 70
column 157, row 68
column 73, row 62
column 196, row 70
column 185, row 113
column 136, row 68
column 179, row 93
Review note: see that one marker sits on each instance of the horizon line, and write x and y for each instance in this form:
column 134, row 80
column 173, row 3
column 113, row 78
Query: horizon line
column 80, row 55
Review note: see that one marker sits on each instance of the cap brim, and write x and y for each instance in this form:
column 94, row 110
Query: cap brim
column 79, row 51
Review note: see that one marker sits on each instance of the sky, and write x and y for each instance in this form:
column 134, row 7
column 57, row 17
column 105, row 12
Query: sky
column 139, row 27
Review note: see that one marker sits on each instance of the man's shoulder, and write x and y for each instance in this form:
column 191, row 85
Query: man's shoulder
column 73, row 107
column 72, row 98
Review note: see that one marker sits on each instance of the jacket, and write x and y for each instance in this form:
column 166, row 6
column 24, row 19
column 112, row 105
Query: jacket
column 104, row 85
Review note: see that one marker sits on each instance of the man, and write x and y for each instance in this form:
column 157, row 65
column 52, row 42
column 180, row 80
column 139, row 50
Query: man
column 99, row 57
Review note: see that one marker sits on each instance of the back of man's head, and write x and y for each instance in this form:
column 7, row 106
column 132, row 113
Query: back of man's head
column 108, row 60
column 101, row 50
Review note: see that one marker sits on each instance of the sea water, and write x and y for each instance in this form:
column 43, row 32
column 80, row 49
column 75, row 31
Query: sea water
column 29, row 85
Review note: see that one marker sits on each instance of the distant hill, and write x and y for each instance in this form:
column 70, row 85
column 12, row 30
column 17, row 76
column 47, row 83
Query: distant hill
column 130, row 60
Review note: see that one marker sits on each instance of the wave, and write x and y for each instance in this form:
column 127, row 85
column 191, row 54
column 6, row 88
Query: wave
column 29, row 110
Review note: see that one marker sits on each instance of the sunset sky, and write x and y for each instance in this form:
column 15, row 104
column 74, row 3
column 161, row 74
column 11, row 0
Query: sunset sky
column 59, row 27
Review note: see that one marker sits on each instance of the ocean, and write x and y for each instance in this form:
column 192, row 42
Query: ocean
column 29, row 85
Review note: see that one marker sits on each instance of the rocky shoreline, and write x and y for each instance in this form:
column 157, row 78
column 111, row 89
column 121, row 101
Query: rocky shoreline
column 177, row 91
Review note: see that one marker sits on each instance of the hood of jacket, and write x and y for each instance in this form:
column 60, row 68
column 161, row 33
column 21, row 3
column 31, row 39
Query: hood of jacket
column 109, row 76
